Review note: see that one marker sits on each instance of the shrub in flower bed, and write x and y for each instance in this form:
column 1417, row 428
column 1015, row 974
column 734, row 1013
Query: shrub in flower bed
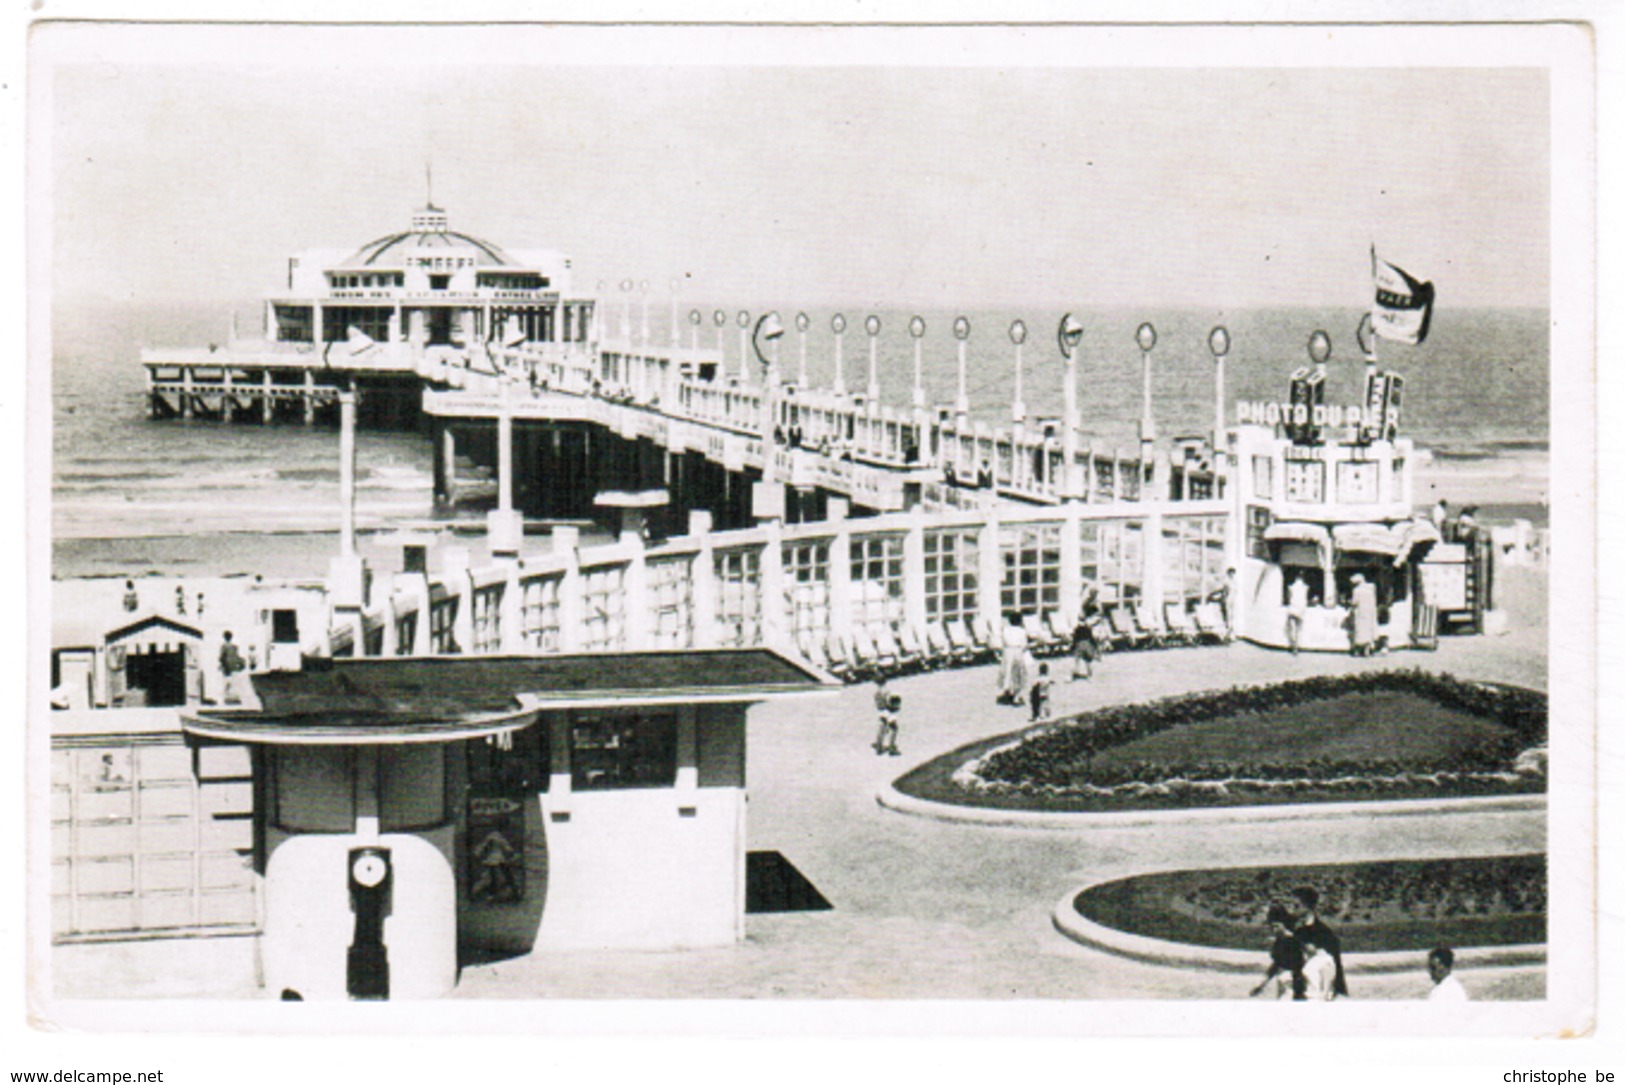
column 1390, row 905
column 1083, row 762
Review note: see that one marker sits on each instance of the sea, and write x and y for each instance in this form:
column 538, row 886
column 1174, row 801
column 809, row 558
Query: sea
column 131, row 496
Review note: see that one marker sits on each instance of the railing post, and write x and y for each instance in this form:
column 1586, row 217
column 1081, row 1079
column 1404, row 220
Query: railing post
column 566, row 542
column 636, row 611
column 775, row 620
column 510, row 614
column 704, row 577
column 914, row 609
column 1071, row 562
column 990, row 573
column 840, row 568
column 1152, row 576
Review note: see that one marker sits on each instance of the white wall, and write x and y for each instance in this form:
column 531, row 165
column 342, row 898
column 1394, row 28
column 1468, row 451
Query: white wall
column 309, row 925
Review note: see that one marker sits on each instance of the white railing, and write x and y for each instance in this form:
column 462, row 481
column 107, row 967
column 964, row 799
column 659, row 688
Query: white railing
column 793, row 587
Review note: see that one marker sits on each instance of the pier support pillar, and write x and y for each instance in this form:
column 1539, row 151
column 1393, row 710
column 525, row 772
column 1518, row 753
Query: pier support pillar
column 347, row 577
column 445, row 467
column 310, row 397
column 504, row 525
column 267, row 404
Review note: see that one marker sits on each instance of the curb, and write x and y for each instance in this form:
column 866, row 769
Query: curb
column 892, row 799
column 1140, row 947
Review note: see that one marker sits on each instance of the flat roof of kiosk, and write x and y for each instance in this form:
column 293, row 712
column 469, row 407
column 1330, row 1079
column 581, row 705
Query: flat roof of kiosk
column 451, row 698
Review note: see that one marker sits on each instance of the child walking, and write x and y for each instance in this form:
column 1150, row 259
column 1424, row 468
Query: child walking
column 887, row 705
column 1039, row 696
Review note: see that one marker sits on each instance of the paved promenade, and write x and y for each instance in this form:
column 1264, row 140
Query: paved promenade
column 925, row 909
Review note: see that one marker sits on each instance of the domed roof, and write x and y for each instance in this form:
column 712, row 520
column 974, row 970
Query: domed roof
column 428, row 232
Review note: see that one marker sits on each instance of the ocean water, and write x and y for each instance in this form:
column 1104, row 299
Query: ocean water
column 133, row 494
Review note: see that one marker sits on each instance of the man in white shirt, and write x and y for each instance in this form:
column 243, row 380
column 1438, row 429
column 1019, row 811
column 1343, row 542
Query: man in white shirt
column 1319, row 971
column 1297, row 609
column 1446, row 987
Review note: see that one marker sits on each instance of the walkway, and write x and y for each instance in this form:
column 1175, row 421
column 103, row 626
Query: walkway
column 933, row 910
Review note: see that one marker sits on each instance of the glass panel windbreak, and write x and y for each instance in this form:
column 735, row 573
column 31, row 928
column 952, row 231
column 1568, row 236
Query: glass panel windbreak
column 953, row 562
column 877, row 580
column 1193, row 557
column 739, row 597
column 443, row 627
column 539, row 613
column 671, row 597
column 143, row 841
column 806, row 587
column 1121, row 563
column 611, row 751
column 488, row 619
column 1031, row 569
column 603, row 609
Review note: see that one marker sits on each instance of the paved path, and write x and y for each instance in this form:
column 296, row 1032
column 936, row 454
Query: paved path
column 931, row 910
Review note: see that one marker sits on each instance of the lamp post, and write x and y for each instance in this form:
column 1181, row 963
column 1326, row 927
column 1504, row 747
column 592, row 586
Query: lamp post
column 676, row 334
column 643, row 315
column 803, row 322
column 1146, row 336
column 600, row 309
column 962, row 400
column 1218, row 341
column 627, row 286
column 695, row 319
column 837, row 324
column 770, row 328
column 916, row 328
column 872, row 326
column 1018, row 408
column 744, row 346
column 720, row 319
column 1068, row 335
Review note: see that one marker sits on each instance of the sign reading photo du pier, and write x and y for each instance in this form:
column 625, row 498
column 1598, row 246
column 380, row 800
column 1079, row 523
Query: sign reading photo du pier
column 1377, row 418
column 1260, row 413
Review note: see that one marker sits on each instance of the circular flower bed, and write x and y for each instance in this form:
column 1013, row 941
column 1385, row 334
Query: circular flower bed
column 1374, row 907
column 1377, row 735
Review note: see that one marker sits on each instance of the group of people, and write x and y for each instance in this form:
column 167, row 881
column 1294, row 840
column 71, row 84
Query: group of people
column 1306, row 957
column 1024, row 680
column 1362, row 622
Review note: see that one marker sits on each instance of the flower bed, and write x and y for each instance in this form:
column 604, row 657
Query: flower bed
column 1374, row 907
column 1378, row 735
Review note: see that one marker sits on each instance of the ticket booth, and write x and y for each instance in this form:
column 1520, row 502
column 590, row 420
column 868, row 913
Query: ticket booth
column 413, row 812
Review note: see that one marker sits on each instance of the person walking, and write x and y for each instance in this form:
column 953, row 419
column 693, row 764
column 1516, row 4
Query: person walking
column 1013, row 661
column 1297, row 609
column 1363, row 632
column 1225, row 596
column 1310, row 927
column 887, row 707
column 1040, row 694
column 1285, row 970
column 1441, row 970
column 1319, row 970
column 231, row 665
column 1085, row 649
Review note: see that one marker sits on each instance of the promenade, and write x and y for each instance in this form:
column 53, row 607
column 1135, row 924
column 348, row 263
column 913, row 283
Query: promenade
column 929, row 910
column 926, row 909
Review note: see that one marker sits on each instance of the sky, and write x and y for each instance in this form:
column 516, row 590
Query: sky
column 859, row 173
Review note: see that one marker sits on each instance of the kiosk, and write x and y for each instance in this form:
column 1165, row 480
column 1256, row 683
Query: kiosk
column 414, row 809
